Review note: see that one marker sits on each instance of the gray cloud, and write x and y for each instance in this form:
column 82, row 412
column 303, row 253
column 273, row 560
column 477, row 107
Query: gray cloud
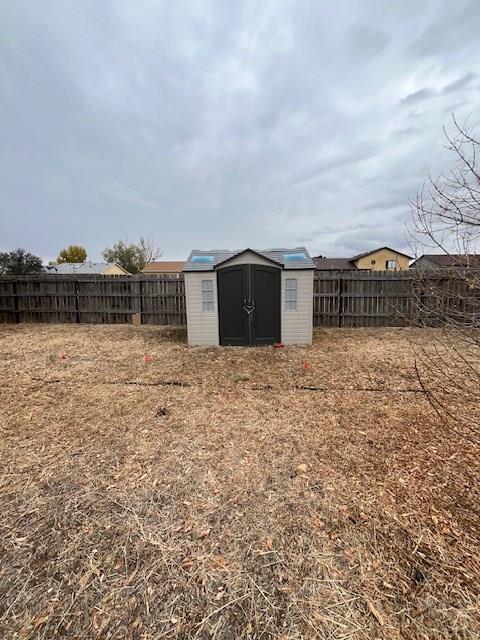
column 449, row 33
column 427, row 92
column 418, row 96
column 460, row 83
column 225, row 124
column 382, row 205
column 351, row 156
column 368, row 42
column 408, row 131
column 357, row 241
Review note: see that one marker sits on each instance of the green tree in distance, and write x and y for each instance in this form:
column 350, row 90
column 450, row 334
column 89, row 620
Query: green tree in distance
column 132, row 257
column 73, row 253
column 19, row 262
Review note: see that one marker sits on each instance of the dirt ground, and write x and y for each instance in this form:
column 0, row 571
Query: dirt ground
column 150, row 490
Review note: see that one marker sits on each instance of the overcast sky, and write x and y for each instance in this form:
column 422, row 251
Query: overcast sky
column 226, row 124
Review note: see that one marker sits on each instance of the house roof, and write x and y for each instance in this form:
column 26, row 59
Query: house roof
column 87, row 268
column 163, row 267
column 450, row 259
column 209, row 260
column 367, row 253
column 334, row 264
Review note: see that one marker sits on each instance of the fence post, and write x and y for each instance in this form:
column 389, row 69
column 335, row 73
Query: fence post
column 77, row 307
column 340, row 299
column 15, row 303
column 141, row 299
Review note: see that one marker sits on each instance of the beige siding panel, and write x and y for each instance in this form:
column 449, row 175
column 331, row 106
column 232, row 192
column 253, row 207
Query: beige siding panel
column 202, row 326
column 248, row 258
column 114, row 270
column 297, row 325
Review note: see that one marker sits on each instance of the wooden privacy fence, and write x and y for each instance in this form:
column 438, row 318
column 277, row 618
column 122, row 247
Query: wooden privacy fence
column 92, row 299
column 340, row 299
column 363, row 298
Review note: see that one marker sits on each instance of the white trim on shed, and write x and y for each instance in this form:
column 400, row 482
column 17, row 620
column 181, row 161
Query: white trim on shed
column 247, row 257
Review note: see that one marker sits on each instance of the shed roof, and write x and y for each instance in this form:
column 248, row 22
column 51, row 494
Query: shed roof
column 209, row 260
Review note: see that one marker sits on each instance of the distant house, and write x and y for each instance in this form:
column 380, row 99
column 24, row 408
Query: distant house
column 382, row 259
column 431, row 262
column 162, row 268
column 87, row 268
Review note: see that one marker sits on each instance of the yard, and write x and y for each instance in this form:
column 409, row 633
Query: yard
column 149, row 490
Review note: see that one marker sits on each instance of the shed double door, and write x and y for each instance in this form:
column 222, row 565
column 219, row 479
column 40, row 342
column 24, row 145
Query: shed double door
column 249, row 305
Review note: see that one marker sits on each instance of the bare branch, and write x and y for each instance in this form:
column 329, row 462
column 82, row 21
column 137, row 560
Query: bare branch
column 446, row 217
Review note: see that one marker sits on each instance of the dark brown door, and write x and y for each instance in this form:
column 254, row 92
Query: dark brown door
column 249, row 305
column 265, row 291
column 232, row 293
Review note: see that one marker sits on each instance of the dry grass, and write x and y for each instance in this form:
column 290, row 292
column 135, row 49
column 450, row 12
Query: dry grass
column 161, row 498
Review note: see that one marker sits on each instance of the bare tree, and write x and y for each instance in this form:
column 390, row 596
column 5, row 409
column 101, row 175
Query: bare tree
column 446, row 213
column 446, row 221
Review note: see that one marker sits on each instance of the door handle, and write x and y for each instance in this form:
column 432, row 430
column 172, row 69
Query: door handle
column 249, row 306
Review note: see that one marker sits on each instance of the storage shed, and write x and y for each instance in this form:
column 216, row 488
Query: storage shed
column 249, row 297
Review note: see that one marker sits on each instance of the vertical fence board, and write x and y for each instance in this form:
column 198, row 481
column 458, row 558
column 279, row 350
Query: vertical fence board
column 8, row 301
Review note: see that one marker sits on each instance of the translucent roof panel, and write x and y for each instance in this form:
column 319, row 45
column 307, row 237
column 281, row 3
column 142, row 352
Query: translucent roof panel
column 202, row 259
column 294, row 257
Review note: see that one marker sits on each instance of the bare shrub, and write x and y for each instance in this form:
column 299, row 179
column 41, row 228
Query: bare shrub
column 446, row 221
